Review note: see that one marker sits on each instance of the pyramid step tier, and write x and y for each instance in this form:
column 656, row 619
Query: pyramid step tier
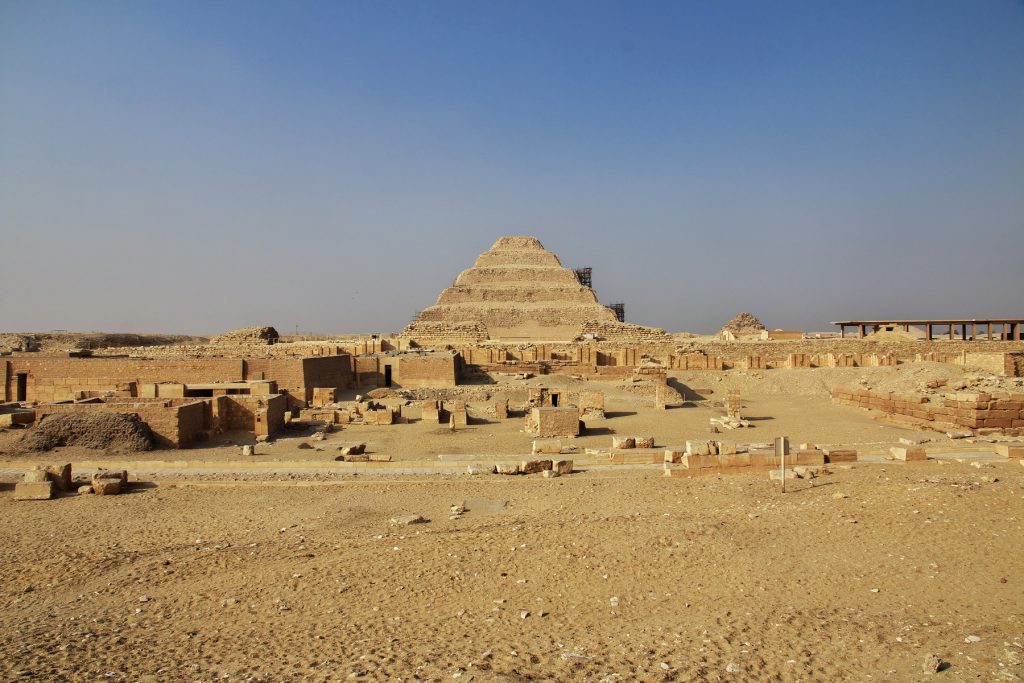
column 514, row 293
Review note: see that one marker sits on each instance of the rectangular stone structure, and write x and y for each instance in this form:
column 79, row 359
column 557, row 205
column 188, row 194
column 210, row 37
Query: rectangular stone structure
column 908, row 453
column 548, row 422
column 34, row 490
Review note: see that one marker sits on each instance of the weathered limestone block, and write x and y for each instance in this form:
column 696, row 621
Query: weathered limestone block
column 726, row 447
column 547, row 446
column 698, row 462
column 429, row 412
column 563, row 466
column 480, row 468
column 106, row 487
column 17, row 418
column 763, row 458
column 383, row 416
column 623, row 442
column 805, row 458
column 673, row 455
column 506, row 468
column 457, row 414
column 734, row 459
column 698, row 448
column 1010, row 450
column 551, row 422
column 34, row 490
column 109, row 482
column 908, row 453
column 499, row 409
column 644, row 441
column 534, row 466
column 840, row 455
column 35, row 475
column 60, row 475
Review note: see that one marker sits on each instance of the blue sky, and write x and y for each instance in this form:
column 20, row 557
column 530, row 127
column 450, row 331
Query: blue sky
column 199, row 166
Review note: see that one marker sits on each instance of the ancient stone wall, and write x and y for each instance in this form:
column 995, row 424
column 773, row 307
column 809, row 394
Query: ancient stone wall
column 1002, row 412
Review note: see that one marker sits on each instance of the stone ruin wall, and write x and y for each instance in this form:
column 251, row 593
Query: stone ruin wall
column 979, row 412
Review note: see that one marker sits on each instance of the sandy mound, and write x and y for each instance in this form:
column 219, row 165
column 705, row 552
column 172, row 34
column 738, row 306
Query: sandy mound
column 115, row 431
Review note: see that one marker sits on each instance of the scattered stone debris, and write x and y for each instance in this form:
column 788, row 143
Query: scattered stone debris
column 406, row 520
column 932, row 664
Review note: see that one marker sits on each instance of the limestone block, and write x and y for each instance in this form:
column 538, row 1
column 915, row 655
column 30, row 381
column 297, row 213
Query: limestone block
column 17, row 418
column 60, row 475
column 726, row 447
column 763, row 458
column 551, row 421
column 734, row 459
column 1010, row 450
column 697, row 462
column 34, row 490
column 506, row 468
column 106, row 487
column 109, row 482
column 840, row 455
column 814, row 457
column 563, row 466
column 698, row 448
column 549, row 474
column 673, row 455
column 534, row 466
column 622, row 442
column 480, row 468
column 908, row 453
column 644, row 441
column 35, row 475
column 547, row 446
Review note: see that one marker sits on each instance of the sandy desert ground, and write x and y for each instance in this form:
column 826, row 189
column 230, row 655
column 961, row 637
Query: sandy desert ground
column 615, row 576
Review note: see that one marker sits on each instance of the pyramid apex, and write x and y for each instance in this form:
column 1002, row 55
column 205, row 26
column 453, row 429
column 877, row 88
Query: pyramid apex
column 517, row 242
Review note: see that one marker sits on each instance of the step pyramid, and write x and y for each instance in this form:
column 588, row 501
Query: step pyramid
column 516, row 291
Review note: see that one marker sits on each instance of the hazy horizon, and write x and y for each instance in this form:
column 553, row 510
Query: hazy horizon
column 192, row 168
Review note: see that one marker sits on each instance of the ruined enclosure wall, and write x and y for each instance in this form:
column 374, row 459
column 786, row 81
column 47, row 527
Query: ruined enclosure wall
column 59, row 379
column 238, row 412
column 368, row 371
column 298, row 376
column 328, row 371
column 1001, row 411
column 425, row 371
